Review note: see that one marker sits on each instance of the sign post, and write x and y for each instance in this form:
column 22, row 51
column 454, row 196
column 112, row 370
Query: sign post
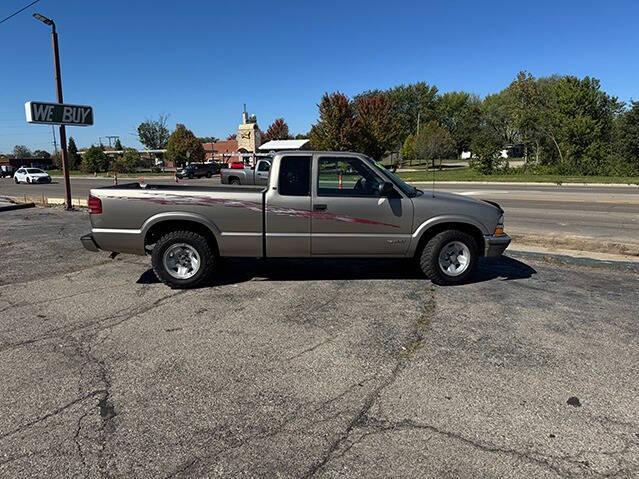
column 58, row 113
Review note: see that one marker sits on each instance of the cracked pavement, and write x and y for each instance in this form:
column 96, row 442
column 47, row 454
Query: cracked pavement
column 309, row 369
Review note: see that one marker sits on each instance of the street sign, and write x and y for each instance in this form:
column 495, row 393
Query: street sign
column 58, row 114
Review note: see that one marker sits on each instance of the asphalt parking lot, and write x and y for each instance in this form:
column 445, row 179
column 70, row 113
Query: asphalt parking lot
column 310, row 368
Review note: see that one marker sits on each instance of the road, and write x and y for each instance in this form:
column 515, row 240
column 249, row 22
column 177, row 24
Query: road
column 594, row 216
column 310, row 368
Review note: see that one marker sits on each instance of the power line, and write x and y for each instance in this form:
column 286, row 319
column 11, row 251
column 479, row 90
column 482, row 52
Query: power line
column 19, row 11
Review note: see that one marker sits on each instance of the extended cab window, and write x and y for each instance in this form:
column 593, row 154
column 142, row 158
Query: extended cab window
column 263, row 166
column 295, row 176
column 346, row 177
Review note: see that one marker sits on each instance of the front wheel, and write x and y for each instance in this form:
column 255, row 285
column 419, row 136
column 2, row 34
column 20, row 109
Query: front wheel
column 182, row 259
column 16, row 180
column 449, row 257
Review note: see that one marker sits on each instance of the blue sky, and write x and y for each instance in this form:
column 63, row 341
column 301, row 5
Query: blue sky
column 199, row 61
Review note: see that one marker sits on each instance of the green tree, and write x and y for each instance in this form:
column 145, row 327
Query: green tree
column 94, row 160
column 118, row 145
column 434, row 142
column 336, row 129
column 73, row 158
column 409, row 102
column 208, row 139
column 627, row 139
column 278, row 130
column 460, row 114
column 408, row 149
column 154, row 134
column 127, row 162
column 21, row 151
column 373, row 114
column 581, row 118
column 486, row 147
column 183, row 146
column 567, row 121
column 42, row 154
column 497, row 116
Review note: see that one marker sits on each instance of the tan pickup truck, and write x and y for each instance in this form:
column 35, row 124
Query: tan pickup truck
column 315, row 205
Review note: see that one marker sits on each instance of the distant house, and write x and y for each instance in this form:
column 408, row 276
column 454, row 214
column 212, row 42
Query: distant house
column 33, row 162
column 515, row 150
column 224, row 151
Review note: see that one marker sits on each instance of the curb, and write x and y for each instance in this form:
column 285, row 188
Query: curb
column 558, row 258
column 135, row 178
column 45, row 202
column 575, row 243
column 526, row 183
column 17, row 206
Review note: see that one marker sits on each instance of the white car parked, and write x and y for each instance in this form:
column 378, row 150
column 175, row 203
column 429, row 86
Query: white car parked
column 31, row 175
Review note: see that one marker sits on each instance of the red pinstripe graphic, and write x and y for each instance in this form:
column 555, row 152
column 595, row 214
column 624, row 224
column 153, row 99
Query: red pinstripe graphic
column 170, row 199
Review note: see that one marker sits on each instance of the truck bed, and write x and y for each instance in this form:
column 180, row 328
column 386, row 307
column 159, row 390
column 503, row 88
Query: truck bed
column 234, row 213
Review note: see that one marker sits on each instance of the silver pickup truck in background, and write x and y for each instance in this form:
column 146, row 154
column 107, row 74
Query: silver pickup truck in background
column 257, row 175
column 315, row 205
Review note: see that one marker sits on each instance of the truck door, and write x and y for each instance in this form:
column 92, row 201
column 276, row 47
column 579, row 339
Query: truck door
column 261, row 172
column 288, row 208
column 349, row 215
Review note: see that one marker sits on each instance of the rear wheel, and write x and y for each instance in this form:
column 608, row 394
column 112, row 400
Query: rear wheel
column 234, row 181
column 182, row 259
column 208, row 174
column 449, row 257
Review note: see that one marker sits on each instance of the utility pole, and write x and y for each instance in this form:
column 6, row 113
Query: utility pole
column 60, row 99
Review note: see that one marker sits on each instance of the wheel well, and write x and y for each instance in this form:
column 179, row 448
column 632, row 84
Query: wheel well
column 472, row 230
column 231, row 178
column 160, row 229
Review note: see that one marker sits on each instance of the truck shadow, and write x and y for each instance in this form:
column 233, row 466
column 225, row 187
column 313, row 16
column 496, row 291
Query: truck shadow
column 234, row 271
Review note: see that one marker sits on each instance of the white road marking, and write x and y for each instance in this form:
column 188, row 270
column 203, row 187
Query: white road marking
column 483, row 192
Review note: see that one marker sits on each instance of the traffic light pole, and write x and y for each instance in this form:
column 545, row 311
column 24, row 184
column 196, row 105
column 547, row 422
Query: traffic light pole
column 63, row 132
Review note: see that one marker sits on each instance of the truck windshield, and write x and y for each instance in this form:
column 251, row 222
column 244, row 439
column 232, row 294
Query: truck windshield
column 407, row 189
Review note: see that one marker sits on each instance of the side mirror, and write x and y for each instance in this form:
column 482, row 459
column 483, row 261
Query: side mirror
column 386, row 188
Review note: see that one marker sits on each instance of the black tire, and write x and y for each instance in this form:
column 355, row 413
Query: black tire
column 196, row 241
column 235, row 181
column 429, row 257
column 16, row 180
column 208, row 174
column 28, row 180
column 190, row 177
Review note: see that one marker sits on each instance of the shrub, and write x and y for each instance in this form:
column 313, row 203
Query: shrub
column 94, row 160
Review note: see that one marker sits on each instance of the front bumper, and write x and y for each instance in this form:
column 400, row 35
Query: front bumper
column 495, row 245
column 89, row 243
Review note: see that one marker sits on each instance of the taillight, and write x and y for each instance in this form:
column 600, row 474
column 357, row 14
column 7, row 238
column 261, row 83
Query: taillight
column 95, row 205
